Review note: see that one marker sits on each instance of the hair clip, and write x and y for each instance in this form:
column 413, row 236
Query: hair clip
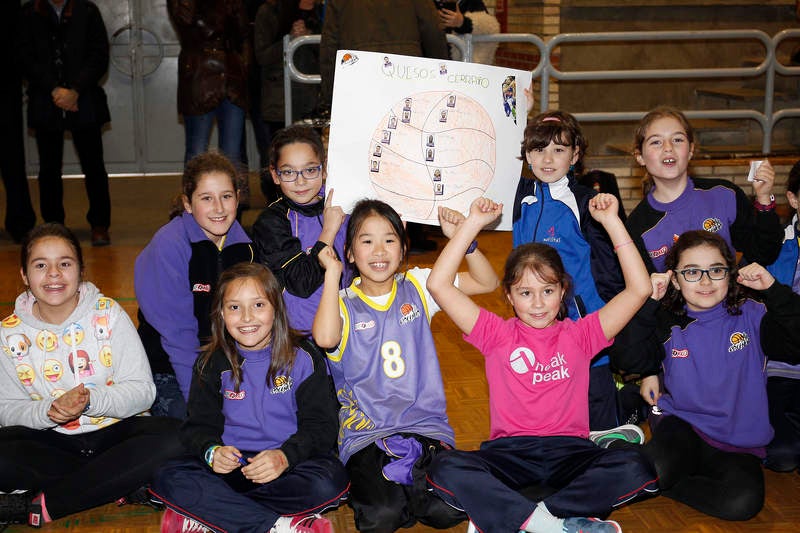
column 551, row 119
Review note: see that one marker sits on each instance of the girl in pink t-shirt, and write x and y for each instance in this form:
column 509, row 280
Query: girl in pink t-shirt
column 537, row 367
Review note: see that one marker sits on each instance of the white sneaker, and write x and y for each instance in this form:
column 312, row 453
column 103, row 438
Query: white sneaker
column 312, row 523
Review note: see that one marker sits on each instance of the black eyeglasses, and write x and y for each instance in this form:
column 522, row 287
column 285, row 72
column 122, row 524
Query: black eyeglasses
column 291, row 175
column 693, row 275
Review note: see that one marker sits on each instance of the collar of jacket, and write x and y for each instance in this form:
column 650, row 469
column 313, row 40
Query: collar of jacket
column 43, row 8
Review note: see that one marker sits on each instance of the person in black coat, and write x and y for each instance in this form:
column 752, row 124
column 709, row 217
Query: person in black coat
column 64, row 54
column 20, row 217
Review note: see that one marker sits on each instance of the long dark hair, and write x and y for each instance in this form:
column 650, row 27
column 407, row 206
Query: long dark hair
column 544, row 261
column 362, row 211
column 284, row 339
column 673, row 299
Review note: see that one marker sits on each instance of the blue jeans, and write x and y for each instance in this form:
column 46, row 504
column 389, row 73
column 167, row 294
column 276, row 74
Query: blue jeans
column 169, row 399
column 230, row 121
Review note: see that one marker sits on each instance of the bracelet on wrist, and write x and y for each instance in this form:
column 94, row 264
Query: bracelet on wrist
column 472, row 247
column 620, row 245
column 765, row 207
column 209, row 455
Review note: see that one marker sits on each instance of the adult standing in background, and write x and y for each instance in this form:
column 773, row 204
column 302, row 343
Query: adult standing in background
column 471, row 16
column 213, row 68
column 20, row 217
column 407, row 27
column 64, row 55
column 274, row 20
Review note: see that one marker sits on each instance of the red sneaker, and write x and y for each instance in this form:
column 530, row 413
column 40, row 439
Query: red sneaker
column 312, row 523
column 172, row 522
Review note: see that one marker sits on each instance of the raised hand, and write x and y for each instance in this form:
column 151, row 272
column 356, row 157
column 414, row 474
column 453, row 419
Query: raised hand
column 604, row 207
column 763, row 182
column 755, row 276
column 660, row 282
column 449, row 220
column 332, row 218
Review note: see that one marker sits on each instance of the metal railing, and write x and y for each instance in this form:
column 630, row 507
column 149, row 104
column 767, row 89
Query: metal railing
column 544, row 70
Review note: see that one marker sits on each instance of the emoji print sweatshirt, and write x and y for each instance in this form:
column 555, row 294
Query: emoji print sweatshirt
column 97, row 345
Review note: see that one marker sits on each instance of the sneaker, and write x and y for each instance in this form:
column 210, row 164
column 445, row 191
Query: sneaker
column 141, row 496
column 312, row 523
column 590, row 525
column 18, row 508
column 173, row 522
column 627, row 433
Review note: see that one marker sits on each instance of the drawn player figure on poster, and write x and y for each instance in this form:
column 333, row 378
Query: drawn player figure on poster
column 443, row 115
column 393, row 123
column 406, row 116
column 387, row 137
column 463, row 149
column 510, row 97
column 451, row 100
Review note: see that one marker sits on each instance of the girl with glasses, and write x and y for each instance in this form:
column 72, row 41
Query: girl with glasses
column 703, row 349
column 292, row 230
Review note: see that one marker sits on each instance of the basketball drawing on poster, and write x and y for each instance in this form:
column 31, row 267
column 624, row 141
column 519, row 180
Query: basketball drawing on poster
column 418, row 133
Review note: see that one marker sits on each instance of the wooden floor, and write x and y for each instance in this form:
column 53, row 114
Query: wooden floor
column 140, row 207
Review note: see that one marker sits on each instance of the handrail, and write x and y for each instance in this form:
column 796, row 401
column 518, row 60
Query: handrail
column 545, row 69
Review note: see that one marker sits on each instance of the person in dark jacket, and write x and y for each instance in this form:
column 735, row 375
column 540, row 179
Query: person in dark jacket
column 213, row 69
column 64, row 54
column 20, row 217
column 703, row 352
column 262, row 421
column 274, row 20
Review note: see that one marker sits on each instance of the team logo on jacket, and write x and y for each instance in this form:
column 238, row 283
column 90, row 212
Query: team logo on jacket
column 408, row 313
column 201, row 287
column 658, row 252
column 739, row 339
column 233, row 395
column 680, row 354
column 712, row 225
column 551, row 235
column 282, row 384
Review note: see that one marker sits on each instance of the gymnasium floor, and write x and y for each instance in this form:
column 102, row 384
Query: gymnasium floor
column 140, row 206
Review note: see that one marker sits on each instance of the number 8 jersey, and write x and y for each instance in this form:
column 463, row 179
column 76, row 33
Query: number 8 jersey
column 385, row 369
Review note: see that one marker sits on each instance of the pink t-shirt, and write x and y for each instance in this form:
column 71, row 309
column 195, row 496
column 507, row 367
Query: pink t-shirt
column 538, row 378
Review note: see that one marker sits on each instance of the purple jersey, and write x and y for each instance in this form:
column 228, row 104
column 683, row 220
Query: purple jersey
column 386, row 370
column 714, row 376
column 713, row 210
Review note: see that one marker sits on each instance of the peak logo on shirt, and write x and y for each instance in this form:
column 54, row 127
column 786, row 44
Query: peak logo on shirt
column 680, row 354
column 658, row 252
column 282, row 384
column 408, row 313
column 712, row 225
column 233, row 395
column 201, row 287
column 523, row 361
column 739, row 340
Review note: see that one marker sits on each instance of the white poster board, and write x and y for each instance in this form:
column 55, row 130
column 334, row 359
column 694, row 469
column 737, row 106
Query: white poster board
column 418, row 133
